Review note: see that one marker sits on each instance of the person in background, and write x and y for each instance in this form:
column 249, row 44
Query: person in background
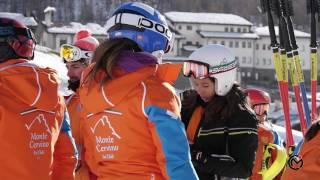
column 77, row 57
column 260, row 102
column 221, row 127
column 36, row 141
column 132, row 120
column 306, row 164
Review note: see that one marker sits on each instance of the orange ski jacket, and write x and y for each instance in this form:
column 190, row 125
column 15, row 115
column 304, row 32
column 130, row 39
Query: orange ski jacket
column 36, row 142
column 133, row 127
column 310, row 169
column 74, row 109
column 265, row 136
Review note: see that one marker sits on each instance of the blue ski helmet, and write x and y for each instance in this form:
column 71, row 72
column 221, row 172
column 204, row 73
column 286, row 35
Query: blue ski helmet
column 142, row 24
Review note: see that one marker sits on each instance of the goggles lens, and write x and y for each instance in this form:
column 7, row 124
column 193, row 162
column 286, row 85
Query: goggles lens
column 197, row 70
column 261, row 109
column 72, row 53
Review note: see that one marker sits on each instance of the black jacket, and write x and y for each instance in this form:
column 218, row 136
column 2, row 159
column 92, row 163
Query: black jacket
column 224, row 148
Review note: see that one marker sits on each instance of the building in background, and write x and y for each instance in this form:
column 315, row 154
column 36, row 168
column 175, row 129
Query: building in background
column 251, row 45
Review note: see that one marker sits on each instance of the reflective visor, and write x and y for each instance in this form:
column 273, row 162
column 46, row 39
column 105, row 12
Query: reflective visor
column 72, row 53
column 261, row 109
column 196, row 69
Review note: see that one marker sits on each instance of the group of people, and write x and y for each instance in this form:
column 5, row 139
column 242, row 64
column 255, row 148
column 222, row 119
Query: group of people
column 124, row 119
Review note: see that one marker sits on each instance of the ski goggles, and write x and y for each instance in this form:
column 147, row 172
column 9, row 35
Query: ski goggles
column 72, row 53
column 261, row 109
column 196, row 69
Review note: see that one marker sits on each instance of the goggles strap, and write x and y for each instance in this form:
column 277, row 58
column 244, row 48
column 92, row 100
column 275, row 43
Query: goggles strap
column 139, row 22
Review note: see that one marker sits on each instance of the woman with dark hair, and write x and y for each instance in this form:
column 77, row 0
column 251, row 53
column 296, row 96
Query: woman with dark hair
column 221, row 127
column 309, row 155
column 131, row 112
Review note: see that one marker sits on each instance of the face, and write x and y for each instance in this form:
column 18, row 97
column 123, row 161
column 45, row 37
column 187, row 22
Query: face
column 74, row 72
column 75, row 69
column 204, row 87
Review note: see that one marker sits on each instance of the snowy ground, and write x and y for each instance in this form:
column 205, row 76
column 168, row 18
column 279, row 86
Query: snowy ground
column 45, row 57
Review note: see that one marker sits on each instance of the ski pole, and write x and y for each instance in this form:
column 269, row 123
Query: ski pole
column 295, row 69
column 312, row 9
column 280, row 68
column 284, row 54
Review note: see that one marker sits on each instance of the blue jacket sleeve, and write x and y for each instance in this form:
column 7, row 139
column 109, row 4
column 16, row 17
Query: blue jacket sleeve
column 171, row 141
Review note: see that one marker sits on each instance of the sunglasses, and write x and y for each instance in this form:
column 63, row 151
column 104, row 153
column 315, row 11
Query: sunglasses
column 195, row 69
column 72, row 53
column 261, row 109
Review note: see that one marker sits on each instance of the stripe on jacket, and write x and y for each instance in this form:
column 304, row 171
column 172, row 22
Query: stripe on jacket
column 231, row 131
column 174, row 144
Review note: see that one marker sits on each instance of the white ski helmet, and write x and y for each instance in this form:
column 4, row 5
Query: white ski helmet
column 222, row 65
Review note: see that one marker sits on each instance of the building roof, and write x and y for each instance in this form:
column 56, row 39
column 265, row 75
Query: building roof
column 74, row 27
column 264, row 31
column 206, row 18
column 234, row 35
column 28, row 21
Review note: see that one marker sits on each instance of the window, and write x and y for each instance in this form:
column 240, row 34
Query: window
column 214, row 42
column 243, row 44
column 256, row 76
column 248, row 74
column 189, row 27
column 243, row 74
column 231, row 44
column 179, row 27
column 264, row 47
column 257, row 61
column 188, row 43
column 63, row 41
column 231, row 29
column 222, row 42
column 244, row 59
column 269, row 47
column 264, row 61
column 226, row 29
column 257, row 46
column 239, row 29
column 249, row 45
column 236, row 45
column 244, row 30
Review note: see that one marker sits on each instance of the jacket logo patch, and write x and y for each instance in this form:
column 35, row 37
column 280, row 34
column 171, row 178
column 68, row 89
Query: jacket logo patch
column 40, row 135
column 105, row 145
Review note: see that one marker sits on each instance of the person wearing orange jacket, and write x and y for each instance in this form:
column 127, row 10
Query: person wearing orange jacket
column 132, row 124
column 260, row 102
column 36, row 141
column 77, row 57
column 306, row 165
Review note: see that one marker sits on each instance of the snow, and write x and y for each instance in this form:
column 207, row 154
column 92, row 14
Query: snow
column 190, row 47
column 28, row 21
column 206, row 18
column 264, row 31
column 213, row 34
column 49, row 8
column 44, row 57
column 74, row 27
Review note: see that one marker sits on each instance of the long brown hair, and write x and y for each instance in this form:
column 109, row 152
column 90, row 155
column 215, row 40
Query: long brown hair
column 105, row 56
column 221, row 106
